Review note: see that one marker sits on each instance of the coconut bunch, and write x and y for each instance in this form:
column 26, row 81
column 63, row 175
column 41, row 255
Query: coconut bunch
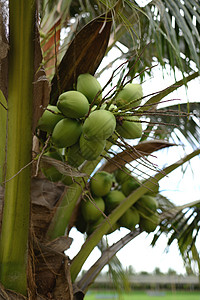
column 82, row 121
column 127, row 100
column 76, row 125
column 146, row 206
column 107, row 192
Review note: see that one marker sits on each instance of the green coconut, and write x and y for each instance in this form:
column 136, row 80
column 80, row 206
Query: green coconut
column 130, row 128
column 129, row 96
column 99, row 125
column 129, row 185
column 92, row 209
column 113, row 199
column 122, row 174
column 73, row 104
column 89, row 86
column 66, row 133
column 90, row 150
column 129, row 219
column 146, row 205
column 101, row 183
column 50, row 171
column 50, row 118
column 149, row 224
column 74, row 156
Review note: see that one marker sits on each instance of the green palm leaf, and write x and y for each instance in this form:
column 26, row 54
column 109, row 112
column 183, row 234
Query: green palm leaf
column 172, row 38
column 179, row 121
column 108, row 256
column 182, row 224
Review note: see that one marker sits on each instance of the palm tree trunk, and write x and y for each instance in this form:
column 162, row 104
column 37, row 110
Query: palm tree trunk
column 15, row 223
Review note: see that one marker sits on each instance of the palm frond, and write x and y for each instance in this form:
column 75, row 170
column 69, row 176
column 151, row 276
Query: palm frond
column 93, row 38
column 171, row 30
column 115, row 268
column 187, row 124
column 181, row 224
column 172, row 33
column 108, row 256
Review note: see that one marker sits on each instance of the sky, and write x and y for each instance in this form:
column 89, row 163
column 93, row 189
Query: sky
column 176, row 187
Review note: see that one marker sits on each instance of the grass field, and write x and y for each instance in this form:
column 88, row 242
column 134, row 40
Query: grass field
column 144, row 295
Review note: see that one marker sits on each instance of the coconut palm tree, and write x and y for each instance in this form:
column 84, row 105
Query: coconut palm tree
column 37, row 214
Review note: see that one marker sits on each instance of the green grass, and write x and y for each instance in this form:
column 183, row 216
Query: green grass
column 143, row 295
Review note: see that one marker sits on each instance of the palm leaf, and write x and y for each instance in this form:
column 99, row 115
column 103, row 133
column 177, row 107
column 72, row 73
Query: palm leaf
column 108, row 253
column 171, row 37
column 62, row 167
column 93, row 38
column 155, row 99
column 134, row 153
column 51, row 12
column 187, row 126
column 160, row 23
column 115, row 269
column 181, row 22
column 182, row 224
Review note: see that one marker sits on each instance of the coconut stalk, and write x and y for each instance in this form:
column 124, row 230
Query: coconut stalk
column 15, row 222
column 68, row 202
column 154, row 100
column 96, row 236
column 64, row 210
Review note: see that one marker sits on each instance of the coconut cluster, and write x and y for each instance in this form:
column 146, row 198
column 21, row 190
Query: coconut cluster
column 80, row 125
column 76, row 124
column 147, row 205
column 108, row 191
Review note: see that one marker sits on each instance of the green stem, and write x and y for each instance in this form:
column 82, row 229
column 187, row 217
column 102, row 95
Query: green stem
column 15, row 223
column 64, row 210
column 68, row 202
column 96, row 236
column 158, row 97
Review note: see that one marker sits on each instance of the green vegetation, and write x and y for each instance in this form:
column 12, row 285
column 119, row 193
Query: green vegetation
column 158, row 295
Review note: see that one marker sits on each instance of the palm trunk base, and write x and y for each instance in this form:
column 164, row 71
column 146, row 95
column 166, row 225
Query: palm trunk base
column 48, row 273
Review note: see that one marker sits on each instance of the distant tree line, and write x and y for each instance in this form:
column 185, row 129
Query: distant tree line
column 130, row 271
column 155, row 280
